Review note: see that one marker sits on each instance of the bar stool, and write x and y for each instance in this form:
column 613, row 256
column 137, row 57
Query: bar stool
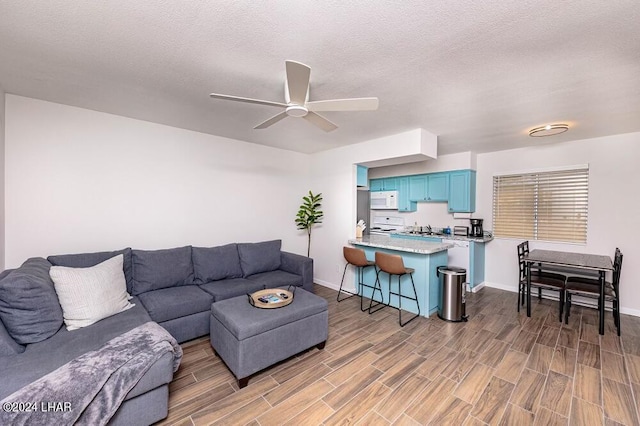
column 357, row 258
column 392, row 264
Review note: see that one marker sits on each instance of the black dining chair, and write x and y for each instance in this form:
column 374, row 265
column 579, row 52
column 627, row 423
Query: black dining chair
column 539, row 278
column 590, row 287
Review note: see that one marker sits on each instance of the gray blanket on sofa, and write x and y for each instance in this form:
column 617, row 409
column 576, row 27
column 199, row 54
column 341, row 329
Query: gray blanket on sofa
column 90, row 388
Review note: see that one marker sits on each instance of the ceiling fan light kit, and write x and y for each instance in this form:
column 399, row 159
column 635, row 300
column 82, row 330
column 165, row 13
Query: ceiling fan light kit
column 296, row 111
column 296, row 95
column 548, row 130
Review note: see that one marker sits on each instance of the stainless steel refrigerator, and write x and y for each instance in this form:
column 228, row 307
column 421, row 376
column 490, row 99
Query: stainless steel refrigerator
column 363, row 211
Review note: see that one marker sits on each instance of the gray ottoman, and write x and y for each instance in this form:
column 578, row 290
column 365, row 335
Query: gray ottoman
column 251, row 339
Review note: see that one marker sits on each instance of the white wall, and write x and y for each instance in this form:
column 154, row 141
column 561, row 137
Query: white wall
column 614, row 205
column 2, row 179
column 79, row 180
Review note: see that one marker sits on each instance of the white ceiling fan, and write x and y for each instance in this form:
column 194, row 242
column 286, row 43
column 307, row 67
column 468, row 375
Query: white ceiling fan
column 296, row 104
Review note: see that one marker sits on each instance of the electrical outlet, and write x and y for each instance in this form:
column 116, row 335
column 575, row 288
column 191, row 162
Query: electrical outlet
column 338, row 268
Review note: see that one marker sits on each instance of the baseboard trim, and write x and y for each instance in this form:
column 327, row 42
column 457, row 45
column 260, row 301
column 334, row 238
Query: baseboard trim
column 629, row 311
column 477, row 288
column 501, row 286
column 330, row 285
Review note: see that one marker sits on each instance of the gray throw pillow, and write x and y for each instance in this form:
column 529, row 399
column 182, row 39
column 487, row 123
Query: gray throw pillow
column 259, row 257
column 8, row 346
column 87, row 260
column 156, row 269
column 216, row 263
column 29, row 306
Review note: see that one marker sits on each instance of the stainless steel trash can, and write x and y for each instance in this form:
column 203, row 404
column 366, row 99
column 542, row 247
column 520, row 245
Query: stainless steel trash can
column 452, row 293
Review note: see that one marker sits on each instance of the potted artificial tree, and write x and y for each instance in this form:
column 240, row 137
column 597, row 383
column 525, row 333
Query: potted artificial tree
column 309, row 214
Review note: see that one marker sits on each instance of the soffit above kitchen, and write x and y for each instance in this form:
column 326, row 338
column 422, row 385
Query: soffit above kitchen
column 477, row 74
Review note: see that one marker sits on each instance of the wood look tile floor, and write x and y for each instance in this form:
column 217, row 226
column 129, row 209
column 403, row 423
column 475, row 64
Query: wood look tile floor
column 499, row 368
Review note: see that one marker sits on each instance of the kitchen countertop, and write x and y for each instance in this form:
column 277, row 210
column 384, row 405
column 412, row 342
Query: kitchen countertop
column 484, row 239
column 401, row 244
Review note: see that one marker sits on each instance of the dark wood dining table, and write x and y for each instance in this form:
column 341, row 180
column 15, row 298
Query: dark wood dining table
column 578, row 261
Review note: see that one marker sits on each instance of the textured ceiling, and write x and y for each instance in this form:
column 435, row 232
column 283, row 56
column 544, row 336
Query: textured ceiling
column 478, row 74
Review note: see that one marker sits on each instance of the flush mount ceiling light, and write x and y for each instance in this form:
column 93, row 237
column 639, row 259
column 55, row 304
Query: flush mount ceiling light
column 548, row 130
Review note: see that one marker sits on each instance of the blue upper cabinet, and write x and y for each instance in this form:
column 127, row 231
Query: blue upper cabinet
column 361, row 177
column 375, row 185
column 404, row 203
column 418, row 188
column 384, row 184
column 458, row 188
column 431, row 187
column 438, row 187
column 462, row 191
column 389, row 184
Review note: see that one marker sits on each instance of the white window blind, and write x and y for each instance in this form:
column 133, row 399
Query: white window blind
column 550, row 206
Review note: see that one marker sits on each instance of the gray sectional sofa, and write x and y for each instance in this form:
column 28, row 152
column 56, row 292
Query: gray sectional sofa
column 173, row 287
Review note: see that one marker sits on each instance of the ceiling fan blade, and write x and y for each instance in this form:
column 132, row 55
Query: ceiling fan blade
column 297, row 81
column 247, row 100
column 320, row 121
column 273, row 120
column 353, row 104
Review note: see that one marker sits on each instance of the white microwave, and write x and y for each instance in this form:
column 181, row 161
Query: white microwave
column 384, row 200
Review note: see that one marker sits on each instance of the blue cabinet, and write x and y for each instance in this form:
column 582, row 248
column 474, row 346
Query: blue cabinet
column 361, row 176
column 438, row 187
column 418, row 188
column 375, row 185
column 431, row 187
column 462, row 191
column 389, row 184
column 476, row 263
column 457, row 187
column 404, row 203
column 383, row 184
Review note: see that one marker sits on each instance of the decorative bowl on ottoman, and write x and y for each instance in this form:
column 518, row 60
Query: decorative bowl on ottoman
column 249, row 340
column 271, row 298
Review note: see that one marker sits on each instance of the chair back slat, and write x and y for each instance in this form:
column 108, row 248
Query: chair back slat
column 617, row 269
column 523, row 250
column 355, row 256
column 390, row 263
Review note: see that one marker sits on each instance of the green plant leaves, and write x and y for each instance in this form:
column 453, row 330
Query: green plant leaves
column 309, row 214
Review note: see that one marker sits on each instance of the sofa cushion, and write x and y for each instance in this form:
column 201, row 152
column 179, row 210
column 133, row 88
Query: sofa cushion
column 215, row 263
column 259, row 257
column 43, row 357
column 29, row 305
column 277, row 279
column 175, row 302
column 88, row 295
column 156, row 269
column 226, row 289
column 8, row 346
column 86, row 260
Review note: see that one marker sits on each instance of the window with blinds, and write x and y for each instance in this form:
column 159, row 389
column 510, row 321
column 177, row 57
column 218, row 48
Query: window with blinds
column 550, row 206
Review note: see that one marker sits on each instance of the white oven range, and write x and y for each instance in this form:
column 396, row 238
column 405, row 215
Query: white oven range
column 385, row 225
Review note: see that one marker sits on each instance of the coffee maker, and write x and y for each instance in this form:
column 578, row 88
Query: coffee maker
column 476, row 228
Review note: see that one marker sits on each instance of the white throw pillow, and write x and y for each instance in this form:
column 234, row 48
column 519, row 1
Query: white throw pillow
column 88, row 295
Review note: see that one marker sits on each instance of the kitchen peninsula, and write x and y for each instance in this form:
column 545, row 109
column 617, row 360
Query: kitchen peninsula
column 423, row 256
